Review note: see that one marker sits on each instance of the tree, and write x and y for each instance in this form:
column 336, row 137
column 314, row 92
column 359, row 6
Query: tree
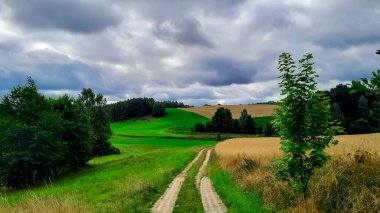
column 158, row 110
column 303, row 122
column 376, row 113
column 363, row 109
column 338, row 115
column 77, row 132
column 94, row 106
column 222, row 120
column 246, row 123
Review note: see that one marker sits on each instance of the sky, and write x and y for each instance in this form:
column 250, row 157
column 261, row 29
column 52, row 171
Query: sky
column 194, row 51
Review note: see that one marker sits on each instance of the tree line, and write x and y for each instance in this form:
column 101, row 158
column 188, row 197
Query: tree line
column 223, row 122
column 44, row 137
column 139, row 107
column 357, row 105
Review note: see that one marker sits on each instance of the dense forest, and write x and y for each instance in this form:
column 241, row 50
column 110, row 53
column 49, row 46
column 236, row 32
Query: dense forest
column 44, row 137
column 356, row 106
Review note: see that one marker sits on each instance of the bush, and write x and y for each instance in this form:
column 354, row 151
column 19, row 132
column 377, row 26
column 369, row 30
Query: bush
column 199, row 127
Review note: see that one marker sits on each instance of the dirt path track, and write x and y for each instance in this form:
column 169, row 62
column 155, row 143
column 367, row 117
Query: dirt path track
column 210, row 199
column 167, row 201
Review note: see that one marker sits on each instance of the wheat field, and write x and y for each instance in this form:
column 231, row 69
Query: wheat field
column 349, row 182
column 257, row 110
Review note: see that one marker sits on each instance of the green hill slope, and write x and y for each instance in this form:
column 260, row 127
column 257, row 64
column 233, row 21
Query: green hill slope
column 176, row 123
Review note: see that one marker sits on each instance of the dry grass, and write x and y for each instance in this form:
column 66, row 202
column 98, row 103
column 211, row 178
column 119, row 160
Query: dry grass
column 350, row 182
column 257, row 110
column 45, row 205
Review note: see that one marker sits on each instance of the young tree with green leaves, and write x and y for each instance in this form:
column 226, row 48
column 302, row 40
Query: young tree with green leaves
column 304, row 123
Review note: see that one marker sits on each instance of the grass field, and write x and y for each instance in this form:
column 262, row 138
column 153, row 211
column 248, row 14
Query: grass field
column 129, row 182
column 256, row 110
column 176, row 123
column 349, row 182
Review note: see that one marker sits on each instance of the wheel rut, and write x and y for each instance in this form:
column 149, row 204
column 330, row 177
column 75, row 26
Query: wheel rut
column 167, row 201
column 210, row 199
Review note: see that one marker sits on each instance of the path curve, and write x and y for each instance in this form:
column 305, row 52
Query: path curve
column 210, row 199
column 167, row 201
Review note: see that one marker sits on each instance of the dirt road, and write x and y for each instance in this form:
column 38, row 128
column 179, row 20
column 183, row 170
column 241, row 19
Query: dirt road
column 210, row 199
column 167, row 201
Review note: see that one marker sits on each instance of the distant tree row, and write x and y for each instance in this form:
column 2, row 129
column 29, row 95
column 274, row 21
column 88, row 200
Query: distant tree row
column 139, row 107
column 357, row 106
column 223, row 122
column 44, row 137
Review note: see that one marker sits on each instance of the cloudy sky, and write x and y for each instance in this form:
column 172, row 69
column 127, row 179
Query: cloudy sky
column 198, row 51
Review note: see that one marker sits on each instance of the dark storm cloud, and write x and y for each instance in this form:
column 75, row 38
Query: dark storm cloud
column 185, row 31
column 72, row 15
column 228, row 71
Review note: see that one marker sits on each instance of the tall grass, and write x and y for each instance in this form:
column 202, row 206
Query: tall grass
column 350, row 182
column 237, row 198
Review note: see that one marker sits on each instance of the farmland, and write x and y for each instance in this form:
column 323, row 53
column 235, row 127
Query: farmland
column 350, row 181
column 256, row 110
column 130, row 181
column 155, row 150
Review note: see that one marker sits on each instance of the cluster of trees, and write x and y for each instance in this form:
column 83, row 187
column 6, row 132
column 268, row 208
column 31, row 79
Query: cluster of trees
column 139, row 107
column 223, row 122
column 44, row 137
column 357, row 106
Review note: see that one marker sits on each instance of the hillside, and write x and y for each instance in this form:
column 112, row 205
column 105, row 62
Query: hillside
column 257, row 110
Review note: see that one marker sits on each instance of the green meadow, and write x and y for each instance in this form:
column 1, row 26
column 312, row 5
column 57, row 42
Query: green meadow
column 153, row 152
column 129, row 182
column 175, row 123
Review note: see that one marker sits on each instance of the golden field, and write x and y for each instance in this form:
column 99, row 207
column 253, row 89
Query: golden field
column 350, row 182
column 257, row 110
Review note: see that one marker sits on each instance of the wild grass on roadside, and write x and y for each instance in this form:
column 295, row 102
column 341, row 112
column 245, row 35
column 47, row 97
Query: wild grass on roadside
column 238, row 198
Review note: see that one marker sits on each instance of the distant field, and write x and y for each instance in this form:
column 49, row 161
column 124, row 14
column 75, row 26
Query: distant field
column 171, row 125
column 267, row 149
column 348, row 182
column 257, row 110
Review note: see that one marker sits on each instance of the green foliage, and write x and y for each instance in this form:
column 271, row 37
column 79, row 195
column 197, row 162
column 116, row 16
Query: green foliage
column 304, row 123
column 42, row 138
column 100, row 128
column 158, row 110
column 222, row 122
column 363, row 107
column 246, row 122
column 338, row 114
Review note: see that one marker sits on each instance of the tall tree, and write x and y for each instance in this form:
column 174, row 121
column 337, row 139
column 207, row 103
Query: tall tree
column 101, row 131
column 246, row 123
column 303, row 123
column 222, row 120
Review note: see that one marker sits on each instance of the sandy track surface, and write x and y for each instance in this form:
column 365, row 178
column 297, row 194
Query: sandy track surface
column 210, row 199
column 167, row 201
